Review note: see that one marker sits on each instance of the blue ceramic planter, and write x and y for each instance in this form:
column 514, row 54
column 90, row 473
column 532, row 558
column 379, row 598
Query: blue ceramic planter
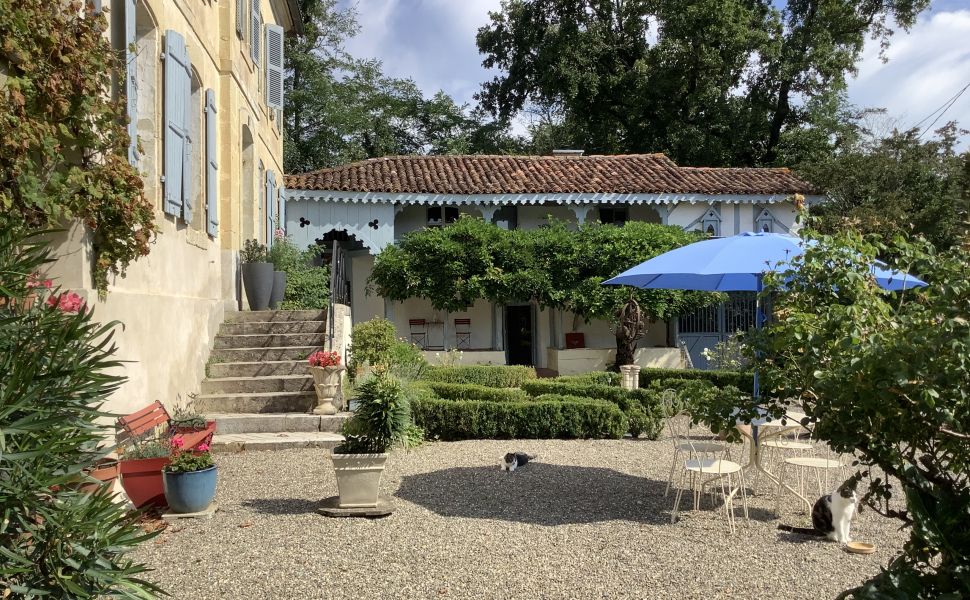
column 192, row 491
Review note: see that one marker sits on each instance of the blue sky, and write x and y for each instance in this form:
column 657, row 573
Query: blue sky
column 433, row 42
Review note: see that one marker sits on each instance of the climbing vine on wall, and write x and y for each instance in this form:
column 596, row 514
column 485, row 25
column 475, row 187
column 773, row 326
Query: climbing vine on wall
column 63, row 136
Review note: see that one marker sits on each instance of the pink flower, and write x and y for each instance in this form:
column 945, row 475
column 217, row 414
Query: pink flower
column 203, row 447
column 279, row 233
column 177, row 442
column 34, row 281
column 324, row 358
column 68, row 302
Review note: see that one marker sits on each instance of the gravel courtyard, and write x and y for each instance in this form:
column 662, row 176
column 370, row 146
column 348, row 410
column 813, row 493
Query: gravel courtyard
column 587, row 519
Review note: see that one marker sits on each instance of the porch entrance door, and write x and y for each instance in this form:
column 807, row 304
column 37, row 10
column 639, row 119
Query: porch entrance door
column 518, row 335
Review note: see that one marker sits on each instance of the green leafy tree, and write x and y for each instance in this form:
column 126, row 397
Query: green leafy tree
column 710, row 82
column 553, row 266
column 899, row 183
column 341, row 108
column 887, row 377
column 56, row 370
column 64, row 149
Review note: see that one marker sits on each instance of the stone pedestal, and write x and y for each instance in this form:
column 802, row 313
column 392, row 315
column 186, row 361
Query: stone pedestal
column 326, row 382
column 630, row 377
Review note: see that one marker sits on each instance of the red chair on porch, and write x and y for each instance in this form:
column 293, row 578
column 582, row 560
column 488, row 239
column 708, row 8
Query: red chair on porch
column 463, row 334
column 419, row 332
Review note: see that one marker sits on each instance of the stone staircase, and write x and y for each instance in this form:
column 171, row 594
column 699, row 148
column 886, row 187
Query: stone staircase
column 258, row 388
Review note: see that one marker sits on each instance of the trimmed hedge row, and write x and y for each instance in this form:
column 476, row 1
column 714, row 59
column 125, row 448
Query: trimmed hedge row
column 642, row 407
column 471, row 391
column 495, row 376
column 593, row 377
column 744, row 381
column 550, row 417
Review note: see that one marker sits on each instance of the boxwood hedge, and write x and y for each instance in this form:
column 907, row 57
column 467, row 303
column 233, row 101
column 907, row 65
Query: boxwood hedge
column 496, row 376
column 642, row 406
column 739, row 379
column 471, row 391
column 549, row 417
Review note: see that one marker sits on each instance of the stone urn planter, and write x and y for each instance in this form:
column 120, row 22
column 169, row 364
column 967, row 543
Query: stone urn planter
column 630, row 377
column 279, row 289
column 326, row 383
column 358, row 478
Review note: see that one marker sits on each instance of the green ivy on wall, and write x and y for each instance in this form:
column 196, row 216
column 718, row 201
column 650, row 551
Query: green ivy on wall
column 63, row 136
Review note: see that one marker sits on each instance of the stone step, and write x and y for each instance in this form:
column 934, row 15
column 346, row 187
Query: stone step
column 276, row 315
column 261, row 402
column 258, row 369
column 239, row 442
column 266, row 327
column 249, row 385
column 235, row 355
column 227, row 423
column 262, row 340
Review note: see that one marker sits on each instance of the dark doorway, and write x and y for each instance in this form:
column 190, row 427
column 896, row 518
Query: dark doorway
column 518, row 334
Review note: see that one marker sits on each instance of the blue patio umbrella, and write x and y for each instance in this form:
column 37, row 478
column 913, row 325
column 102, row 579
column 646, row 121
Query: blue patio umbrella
column 734, row 264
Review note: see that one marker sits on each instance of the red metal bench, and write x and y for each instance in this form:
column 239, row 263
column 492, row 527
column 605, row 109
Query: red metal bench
column 154, row 416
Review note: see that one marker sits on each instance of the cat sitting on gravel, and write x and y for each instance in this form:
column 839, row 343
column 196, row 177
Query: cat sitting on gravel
column 831, row 515
column 514, row 460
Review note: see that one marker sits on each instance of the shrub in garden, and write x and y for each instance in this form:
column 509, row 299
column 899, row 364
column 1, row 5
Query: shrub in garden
column 595, row 377
column 57, row 367
column 307, row 285
column 498, row 376
column 739, row 379
column 405, row 361
column 370, row 341
column 471, row 391
column 886, row 374
column 644, row 400
column 382, row 418
column 544, row 418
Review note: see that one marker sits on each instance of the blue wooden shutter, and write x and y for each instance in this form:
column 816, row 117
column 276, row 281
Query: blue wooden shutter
column 268, row 211
column 178, row 88
column 255, row 31
column 211, row 165
column 274, row 67
column 241, row 18
column 283, row 209
column 131, row 58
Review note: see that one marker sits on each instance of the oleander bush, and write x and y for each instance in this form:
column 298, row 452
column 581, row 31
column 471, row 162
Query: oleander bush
column 546, row 417
column 471, row 391
column 496, row 376
column 57, row 368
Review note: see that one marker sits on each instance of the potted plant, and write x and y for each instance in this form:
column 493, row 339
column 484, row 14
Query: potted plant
column 140, row 465
column 257, row 274
column 190, row 478
column 326, row 370
column 105, row 471
column 381, row 420
column 186, row 421
column 285, row 258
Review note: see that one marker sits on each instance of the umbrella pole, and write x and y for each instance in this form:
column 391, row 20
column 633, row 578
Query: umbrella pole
column 757, row 325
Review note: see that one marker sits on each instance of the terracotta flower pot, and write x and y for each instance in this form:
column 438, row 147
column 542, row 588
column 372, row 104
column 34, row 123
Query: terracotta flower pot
column 105, row 471
column 141, row 479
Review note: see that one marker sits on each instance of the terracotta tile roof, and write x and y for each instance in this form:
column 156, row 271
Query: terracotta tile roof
column 480, row 174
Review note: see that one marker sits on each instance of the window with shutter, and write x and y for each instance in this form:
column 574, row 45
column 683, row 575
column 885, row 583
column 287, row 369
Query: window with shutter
column 177, row 86
column 131, row 59
column 241, row 18
column 211, row 166
column 274, row 66
column 255, row 30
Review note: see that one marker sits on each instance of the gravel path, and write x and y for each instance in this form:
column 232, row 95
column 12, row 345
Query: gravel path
column 587, row 519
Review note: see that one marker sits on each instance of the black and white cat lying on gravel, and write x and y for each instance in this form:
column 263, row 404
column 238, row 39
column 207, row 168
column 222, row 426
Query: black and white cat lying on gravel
column 831, row 515
column 514, row 460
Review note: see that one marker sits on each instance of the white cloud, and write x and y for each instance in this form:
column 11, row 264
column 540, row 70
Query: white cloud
column 925, row 67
